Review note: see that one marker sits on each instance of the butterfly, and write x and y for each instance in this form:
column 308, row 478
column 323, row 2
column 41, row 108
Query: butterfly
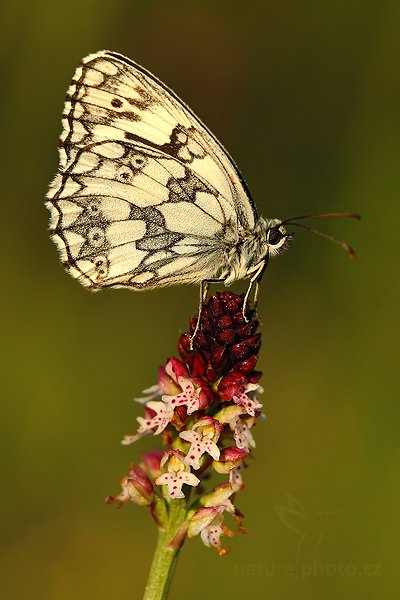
column 145, row 195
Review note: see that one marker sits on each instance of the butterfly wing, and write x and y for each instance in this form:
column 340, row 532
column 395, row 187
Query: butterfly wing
column 145, row 195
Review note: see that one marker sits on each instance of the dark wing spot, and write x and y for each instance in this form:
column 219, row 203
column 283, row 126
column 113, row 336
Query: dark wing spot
column 130, row 115
column 116, row 103
column 158, row 242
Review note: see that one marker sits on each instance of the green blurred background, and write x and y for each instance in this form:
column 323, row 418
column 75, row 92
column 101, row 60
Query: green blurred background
column 306, row 97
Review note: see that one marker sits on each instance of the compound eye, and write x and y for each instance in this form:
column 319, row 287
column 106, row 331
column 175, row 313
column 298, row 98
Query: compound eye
column 275, row 236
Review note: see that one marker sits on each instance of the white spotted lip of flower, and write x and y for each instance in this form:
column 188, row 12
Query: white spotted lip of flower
column 231, row 415
column 208, row 522
column 178, row 474
column 189, row 396
column 245, row 395
column 235, row 479
column 177, row 388
column 242, row 434
column 164, row 414
column 203, row 437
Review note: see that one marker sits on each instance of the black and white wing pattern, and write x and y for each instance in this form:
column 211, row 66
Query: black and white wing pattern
column 145, row 196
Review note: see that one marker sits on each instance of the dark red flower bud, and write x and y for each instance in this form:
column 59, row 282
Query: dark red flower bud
column 225, row 322
column 247, row 365
column 238, row 351
column 227, row 337
column 206, row 324
column 254, row 341
column 197, row 364
column 238, row 318
column 205, row 397
column 151, row 462
column 218, row 358
column 184, row 345
column 215, row 306
column 245, row 330
column 201, row 340
column 229, row 384
column 232, row 454
column 254, row 377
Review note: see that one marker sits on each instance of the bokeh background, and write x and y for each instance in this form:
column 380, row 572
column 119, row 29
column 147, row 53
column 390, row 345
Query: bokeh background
column 306, row 96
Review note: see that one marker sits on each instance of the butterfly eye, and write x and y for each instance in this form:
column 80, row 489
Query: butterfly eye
column 275, row 236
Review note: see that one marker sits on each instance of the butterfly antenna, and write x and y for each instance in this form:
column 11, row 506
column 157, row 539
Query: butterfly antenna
column 318, row 215
column 348, row 249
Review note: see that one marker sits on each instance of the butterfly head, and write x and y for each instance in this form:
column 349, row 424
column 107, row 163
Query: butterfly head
column 276, row 239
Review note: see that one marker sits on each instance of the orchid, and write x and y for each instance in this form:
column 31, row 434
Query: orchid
column 177, row 474
column 245, row 396
column 202, row 437
column 208, row 522
column 203, row 406
column 163, row 415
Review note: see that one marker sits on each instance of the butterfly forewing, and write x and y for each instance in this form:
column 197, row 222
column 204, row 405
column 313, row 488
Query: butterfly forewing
column 145, row 195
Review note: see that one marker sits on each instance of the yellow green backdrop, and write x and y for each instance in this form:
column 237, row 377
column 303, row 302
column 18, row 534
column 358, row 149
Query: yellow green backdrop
column 306, row 96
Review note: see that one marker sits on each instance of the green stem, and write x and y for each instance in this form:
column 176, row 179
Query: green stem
column 166, row 554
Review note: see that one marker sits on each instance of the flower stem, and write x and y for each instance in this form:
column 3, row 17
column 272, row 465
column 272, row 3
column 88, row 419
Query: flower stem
column 166, row 553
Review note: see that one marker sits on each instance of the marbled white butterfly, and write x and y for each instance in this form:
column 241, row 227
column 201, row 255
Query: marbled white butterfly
column 145, row 195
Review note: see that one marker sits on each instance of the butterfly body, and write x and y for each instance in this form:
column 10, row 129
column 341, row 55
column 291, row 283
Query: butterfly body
column 145, row 196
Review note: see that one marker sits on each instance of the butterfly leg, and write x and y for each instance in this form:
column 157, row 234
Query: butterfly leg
column 204, row 287
column 257, row 289
column 256, row 278
column 255, row 301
